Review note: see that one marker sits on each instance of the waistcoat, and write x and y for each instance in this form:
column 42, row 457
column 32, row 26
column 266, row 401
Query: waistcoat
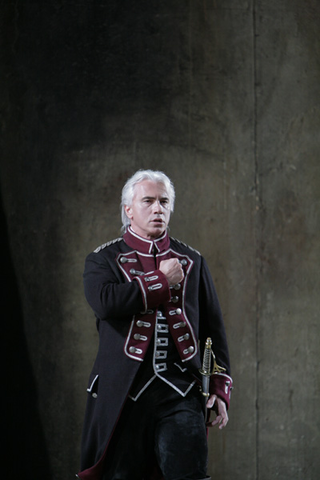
column 162, row 337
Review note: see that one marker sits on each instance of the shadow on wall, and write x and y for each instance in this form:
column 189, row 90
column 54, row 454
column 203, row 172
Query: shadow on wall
column 24, row 452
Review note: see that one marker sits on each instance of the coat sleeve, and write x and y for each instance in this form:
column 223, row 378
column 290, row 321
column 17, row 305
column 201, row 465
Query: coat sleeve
column 211, row 325
column 110, row 296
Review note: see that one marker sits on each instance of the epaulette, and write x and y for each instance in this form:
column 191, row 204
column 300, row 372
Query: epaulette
column 185, row 245
column 107, row 244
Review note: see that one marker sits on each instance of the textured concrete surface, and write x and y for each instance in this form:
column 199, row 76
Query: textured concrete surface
column 288, row 113
column 224, row 97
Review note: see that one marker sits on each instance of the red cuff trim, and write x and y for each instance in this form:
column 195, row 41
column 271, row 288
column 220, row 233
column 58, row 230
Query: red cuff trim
column 155, row 289
column 221, row 385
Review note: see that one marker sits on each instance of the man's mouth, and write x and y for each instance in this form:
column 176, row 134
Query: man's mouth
column 157, row 220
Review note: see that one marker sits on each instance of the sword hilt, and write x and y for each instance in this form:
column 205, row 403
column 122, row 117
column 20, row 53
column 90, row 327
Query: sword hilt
column 206, row 370
column 206, row 363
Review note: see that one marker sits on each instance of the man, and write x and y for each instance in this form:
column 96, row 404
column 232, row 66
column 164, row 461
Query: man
column 155, row 306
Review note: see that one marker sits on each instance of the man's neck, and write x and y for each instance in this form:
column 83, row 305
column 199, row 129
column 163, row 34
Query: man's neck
column 145, row 245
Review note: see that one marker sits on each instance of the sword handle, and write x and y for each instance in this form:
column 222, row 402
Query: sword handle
column 206, row 363
column 206, row 370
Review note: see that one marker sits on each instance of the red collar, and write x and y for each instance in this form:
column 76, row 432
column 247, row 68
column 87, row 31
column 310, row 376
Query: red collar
column 146, row 246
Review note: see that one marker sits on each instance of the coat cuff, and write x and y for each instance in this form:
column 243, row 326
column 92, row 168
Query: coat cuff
column 155, row 289
column 221, row 385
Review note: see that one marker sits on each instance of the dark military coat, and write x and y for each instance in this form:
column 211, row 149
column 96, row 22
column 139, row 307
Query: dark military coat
column 126, row 290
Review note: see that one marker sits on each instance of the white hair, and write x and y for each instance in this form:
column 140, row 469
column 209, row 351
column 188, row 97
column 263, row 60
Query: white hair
column 129, row 187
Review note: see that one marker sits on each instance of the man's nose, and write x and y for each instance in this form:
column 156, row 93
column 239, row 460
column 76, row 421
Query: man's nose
column 157, row 206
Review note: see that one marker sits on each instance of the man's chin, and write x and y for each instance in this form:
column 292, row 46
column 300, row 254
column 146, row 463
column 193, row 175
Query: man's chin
column 157, row 230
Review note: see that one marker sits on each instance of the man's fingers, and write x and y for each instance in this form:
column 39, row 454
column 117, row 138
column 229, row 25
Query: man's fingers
column 219, row 420
column 222, row 415
column 223, row 422
column 173, row 270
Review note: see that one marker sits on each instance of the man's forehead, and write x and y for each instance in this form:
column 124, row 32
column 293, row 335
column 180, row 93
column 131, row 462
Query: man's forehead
column 149, row 188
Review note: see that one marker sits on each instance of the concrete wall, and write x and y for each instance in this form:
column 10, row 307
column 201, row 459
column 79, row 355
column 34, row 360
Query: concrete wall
column 224, row 97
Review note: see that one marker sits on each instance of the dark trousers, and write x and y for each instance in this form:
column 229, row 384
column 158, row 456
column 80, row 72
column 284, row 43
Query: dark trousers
column 161, row 428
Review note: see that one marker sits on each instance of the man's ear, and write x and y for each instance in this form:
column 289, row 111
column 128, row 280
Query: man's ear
column 128, row 211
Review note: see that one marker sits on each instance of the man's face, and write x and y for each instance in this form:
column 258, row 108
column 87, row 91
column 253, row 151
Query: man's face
column 150, row 209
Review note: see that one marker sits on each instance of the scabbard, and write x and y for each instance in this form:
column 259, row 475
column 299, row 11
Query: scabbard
column 205, row 385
